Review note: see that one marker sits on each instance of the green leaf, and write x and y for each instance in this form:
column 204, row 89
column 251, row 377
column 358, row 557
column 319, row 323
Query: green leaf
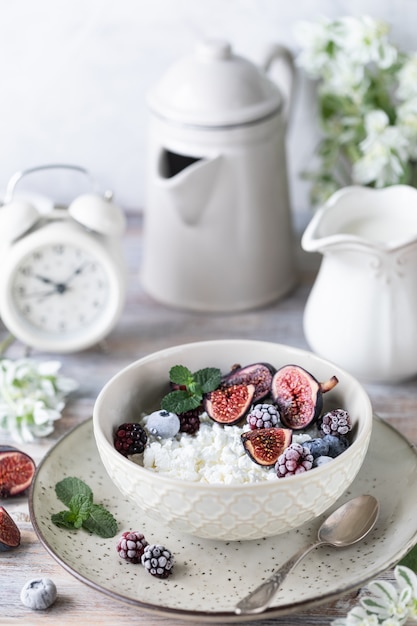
column 69, row 487
column 63, row 519
column 208, row 378
column 80, row 506
column 180, row 375
column 101, row 522
column 82, row 511
column 180, row 401
column 410, row 559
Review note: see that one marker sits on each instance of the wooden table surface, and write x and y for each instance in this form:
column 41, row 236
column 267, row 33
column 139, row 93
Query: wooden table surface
column 147, row 326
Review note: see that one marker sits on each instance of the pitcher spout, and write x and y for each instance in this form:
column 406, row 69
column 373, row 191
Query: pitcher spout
column 361, row 218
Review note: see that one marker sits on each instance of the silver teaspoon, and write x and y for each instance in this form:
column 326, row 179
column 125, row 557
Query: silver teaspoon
column 350, row 523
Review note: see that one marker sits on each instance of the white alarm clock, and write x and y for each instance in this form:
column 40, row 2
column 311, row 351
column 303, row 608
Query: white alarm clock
column 63, row 275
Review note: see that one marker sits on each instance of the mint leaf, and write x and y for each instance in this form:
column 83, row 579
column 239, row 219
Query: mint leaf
column 180, row 401
column 208, row 379
column 194, row 386
column 101, row 522
column 63, row 519
column 180, row 375
column 82, row 511
column 69, row 487
column 80, row 506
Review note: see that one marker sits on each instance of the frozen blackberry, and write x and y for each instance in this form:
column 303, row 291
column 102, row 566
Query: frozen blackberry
column 190, row 421
column 158, row 561
column 263, row 416
column 130, row 439
column 296, row 459
column 335, row 422
column 131, row 546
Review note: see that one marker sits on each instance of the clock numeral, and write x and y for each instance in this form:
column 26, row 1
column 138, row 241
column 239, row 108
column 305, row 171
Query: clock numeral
column 25, row 270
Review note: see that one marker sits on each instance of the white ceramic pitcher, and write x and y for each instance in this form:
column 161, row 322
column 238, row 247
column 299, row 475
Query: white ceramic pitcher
column 217, row 230
column 362, row 309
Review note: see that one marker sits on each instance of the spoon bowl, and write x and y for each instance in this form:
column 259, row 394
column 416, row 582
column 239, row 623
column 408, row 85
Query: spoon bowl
column 347, row 525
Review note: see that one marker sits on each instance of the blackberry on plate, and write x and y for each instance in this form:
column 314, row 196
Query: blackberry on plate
column 263, row 416
column 130, row 438
column 336, row 422
column 190, row 421
column 157, row 560
column 131, row 546
column 294, row 460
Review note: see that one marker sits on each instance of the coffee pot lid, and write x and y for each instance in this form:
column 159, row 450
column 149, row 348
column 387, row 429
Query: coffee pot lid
column 214, row 87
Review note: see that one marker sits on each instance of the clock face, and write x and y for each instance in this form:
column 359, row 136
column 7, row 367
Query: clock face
column 60, row 288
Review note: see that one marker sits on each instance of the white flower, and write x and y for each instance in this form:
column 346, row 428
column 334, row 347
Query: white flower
column 407, row 79
column 386, row 606
column 31, row 397
column 385, row 151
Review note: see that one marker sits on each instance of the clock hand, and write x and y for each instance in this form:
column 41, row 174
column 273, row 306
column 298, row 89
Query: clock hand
column 45, row 280
column 76, row 272
column 39, row 294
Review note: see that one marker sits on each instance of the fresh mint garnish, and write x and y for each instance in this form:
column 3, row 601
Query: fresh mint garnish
column 193, row 387
column 82, row 511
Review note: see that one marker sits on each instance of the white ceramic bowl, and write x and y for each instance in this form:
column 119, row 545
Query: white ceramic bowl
column 228, row 512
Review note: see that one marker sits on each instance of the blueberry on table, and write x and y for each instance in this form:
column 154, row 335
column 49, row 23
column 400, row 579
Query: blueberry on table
column 38, row 594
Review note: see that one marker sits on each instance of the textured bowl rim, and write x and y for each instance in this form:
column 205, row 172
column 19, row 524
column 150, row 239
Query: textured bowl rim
column 131, row 466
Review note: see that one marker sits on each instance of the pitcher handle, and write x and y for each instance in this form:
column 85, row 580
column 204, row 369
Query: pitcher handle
column 283, row 56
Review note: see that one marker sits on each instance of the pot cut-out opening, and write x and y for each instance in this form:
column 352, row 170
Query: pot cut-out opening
column 172, row 163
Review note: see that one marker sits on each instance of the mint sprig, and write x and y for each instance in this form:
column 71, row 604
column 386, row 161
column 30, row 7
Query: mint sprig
column 193, row 387
column 82, row 511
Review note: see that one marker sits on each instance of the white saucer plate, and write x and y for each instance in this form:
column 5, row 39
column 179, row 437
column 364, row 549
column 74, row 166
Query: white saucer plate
column 210, row 577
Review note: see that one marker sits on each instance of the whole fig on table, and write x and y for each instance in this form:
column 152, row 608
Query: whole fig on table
column 9, row 532
column 299, row 395
column 258, row 374
column 16, row 471
column 228, row 405
column 265, row 445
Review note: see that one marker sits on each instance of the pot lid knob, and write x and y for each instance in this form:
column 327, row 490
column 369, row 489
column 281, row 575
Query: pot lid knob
column 214, row 49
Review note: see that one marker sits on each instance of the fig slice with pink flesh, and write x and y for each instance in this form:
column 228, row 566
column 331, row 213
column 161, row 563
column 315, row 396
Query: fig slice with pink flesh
column 9, row 532
column 258, row 374
column 299, row 395
column 265, row 445
column 16, row 471
column 228, row 405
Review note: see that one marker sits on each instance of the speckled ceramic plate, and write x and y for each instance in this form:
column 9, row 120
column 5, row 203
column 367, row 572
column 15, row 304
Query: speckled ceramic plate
column 211, row 576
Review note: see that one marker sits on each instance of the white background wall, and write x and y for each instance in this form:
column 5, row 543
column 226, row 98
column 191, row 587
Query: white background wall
column 74, row 75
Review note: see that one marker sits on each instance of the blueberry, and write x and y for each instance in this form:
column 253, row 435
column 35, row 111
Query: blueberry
column 318, row 447
column 38, row 594
column 322, row 460
column 337, row 445
column 163, row 424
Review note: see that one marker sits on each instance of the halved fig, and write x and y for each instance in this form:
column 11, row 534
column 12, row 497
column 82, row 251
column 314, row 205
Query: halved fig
column 16, row 471
column 9, row 532
column 258, row 374
column 228, row 405
column 265, row 445
column 299, row 395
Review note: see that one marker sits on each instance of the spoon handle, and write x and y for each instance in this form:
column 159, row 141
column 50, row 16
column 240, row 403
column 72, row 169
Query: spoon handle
column 259, row 599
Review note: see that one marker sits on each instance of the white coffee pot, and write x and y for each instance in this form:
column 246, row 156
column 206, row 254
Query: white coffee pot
column 362, row 310
column 217, row 230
